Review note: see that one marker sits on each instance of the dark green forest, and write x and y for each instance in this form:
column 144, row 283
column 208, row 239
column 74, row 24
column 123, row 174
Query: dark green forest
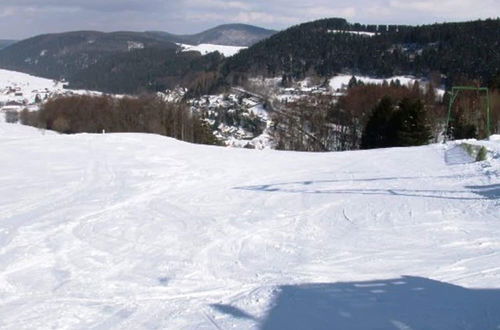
column 143, row 70
column 459, row 51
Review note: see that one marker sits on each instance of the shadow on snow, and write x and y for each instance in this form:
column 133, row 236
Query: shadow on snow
column 403, row 303
column 491, row 191
column 318, row 187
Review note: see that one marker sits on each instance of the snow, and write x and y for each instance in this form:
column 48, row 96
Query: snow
column 204, row 49
column 360, row 33
column 23, row 88
column 259, row 111
column 26, row 84
column 458, row 155
column 139, row 231
column 495, row 137
column 134, row 45
column 340, row 82
column 266, row 82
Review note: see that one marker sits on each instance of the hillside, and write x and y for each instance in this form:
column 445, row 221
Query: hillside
column 63, row 54
column 321, row 48
column 137, row 231
column 127, row 62
column 242, row 35
column 148, row 69
column 20, row 90
column 6, row 43
column 331, row 46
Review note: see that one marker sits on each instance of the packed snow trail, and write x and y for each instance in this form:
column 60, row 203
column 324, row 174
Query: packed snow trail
column 137, row 231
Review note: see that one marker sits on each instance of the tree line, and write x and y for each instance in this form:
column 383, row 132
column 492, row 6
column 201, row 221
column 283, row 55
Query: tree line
column 327, row 122
column 366, row 116
column 97, row 114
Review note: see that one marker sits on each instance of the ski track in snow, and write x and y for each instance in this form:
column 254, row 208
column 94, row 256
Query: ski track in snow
column 136, row 231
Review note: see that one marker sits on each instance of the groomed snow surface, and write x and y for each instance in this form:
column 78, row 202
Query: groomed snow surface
column 137, row 231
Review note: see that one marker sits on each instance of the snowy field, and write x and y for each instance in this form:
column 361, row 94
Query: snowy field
column 359, row 33
column 24, row 88
column 340, row 82
column 27, row 85
column 137, row 231
column 205, row 49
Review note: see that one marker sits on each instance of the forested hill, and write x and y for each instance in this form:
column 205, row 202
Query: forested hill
column 328, row 46
column 227, row 34
column 63, row 54
column 6, row 43
column 143, row 70
column 124, row 62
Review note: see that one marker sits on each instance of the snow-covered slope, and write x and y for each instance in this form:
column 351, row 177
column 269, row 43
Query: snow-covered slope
column 359, row 33
column 342, row 81
column 25, row 85
column 136, row 231
column 23, row 88
column 204, row 49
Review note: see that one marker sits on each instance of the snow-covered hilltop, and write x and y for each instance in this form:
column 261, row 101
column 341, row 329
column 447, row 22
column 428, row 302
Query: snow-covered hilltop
column 138, row 231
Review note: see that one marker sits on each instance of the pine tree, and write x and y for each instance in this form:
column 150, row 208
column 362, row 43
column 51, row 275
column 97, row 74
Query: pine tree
column 377, row 130
column 352, row 82
column 410, row 124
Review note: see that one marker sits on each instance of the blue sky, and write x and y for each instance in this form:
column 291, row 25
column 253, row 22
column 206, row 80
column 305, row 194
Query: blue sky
column 24, row 18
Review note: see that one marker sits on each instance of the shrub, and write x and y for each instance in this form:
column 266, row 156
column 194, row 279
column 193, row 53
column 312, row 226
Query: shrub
column 12, row 117
column 481, row 155
column 144, row 114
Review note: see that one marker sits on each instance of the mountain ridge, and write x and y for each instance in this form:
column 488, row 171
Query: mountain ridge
column 66, row 54
column 6, row 43
column 321, row 48
column 242, row 35
column 61, row 55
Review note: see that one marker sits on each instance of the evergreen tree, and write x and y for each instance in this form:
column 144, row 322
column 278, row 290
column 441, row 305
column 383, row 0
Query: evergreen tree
column 410, row 124
column 352, row 82
column 377, row 131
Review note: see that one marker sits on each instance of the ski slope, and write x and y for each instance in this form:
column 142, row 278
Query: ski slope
column 138, row 231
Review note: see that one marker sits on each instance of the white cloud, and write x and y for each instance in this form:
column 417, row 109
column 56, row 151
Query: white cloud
column 321, row 11
column 450, row 8
column 7, row 11
column 256, row 17
column 218, row 4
